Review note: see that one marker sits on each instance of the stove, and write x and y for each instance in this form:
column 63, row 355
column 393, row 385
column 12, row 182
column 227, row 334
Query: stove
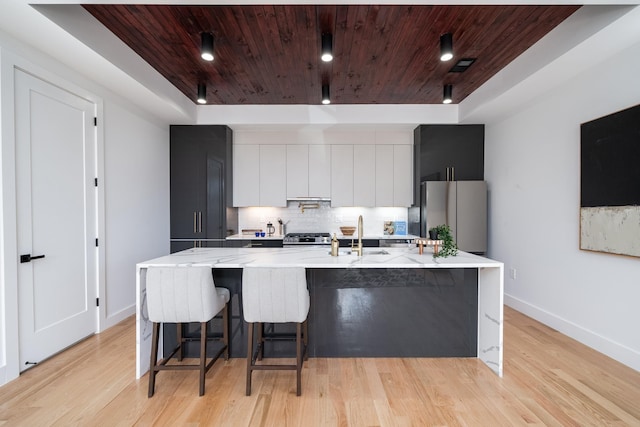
column 306, row 239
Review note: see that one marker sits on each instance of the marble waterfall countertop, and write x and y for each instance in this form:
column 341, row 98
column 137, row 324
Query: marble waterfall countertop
column 314, row 257
column 338, row 235
column 490, row 283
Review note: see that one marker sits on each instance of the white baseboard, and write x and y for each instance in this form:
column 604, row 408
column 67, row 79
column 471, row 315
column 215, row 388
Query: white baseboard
column 617, row 351
column 7, row 375
column 117, row 317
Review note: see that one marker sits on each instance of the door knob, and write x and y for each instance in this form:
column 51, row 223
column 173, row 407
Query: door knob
column 28, row 257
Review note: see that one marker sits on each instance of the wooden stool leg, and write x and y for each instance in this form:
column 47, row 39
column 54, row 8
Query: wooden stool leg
column 260, row 341
column 305, row 336
column 203, row 355
column 180, row 342
column 226, row 330
column 249, row 356
column 154, row 358
column 298, row 359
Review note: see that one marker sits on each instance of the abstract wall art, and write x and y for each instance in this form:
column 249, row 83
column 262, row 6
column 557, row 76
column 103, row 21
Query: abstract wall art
column 610, row 183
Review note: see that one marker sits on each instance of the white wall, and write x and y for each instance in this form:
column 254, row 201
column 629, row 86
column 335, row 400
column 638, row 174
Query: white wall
column 133, row 164
column 533, row 169
column 137, row 202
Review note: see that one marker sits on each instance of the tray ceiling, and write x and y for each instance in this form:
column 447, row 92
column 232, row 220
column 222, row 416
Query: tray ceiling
column 270, row 54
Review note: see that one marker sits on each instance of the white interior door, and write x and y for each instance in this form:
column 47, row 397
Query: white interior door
column 56, row 216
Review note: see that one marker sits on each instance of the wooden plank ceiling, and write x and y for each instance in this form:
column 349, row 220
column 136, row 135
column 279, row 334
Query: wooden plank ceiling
column 270, row 54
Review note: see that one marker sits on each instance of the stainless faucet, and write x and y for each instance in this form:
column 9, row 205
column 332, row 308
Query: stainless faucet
column 358, row 249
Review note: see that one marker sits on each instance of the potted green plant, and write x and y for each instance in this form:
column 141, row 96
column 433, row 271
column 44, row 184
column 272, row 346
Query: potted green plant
column 449, row 247
column 433, row 233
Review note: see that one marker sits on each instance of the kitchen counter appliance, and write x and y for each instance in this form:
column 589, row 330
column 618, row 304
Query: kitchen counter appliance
column 311, row 238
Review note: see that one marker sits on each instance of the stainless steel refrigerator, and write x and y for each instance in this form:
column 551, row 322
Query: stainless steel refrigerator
column 462, row 205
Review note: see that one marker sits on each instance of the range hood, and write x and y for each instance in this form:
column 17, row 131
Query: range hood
column 308, row 199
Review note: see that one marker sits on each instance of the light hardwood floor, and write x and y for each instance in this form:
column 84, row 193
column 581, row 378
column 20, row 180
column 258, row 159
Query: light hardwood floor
column 549, row 380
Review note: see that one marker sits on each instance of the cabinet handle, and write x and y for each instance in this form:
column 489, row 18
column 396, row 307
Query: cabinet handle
column 195, row 222
column 200, row 222
column 453, row 173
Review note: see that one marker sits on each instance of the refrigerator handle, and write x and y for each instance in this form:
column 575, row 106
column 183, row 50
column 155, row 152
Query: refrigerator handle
column 195, row 222
column 451, row 173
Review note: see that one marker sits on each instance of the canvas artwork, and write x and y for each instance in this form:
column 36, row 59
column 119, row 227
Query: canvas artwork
column 610, row 183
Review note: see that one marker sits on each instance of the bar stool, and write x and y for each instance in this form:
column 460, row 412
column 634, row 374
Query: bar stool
column 275, row 295
column 184, row 295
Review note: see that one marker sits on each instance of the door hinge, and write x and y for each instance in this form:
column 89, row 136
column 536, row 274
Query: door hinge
column 97, row 302
column 96, row 242
column 95, row 182
column 95, row 121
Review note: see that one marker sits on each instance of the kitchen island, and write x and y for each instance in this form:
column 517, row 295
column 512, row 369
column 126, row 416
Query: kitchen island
column 328, row 286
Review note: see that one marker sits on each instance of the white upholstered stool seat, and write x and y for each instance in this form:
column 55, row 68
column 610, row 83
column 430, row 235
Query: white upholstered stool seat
column 184, row 295
column 275, row 295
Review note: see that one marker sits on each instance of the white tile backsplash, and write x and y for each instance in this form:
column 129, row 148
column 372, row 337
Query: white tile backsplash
column 323, row 219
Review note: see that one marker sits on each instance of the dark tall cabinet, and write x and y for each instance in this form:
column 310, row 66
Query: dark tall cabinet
column 448, row 152
column 201, row 186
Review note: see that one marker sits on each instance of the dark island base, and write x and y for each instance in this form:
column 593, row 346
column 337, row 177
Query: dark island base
column 366, row 313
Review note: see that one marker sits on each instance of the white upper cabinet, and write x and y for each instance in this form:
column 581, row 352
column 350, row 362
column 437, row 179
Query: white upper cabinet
column 273, row 175
column 402, row 175
column 297, row 170
column 319, row 170
column 364, row 175
column 384, row 169
column 341, row 175
column 308, row 171
column 246, row 175
column 363, row 168
column 259, row 175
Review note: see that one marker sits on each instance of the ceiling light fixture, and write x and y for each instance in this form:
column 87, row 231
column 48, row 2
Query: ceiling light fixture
column 327, row 48
column 325, row 95
column 202, row 93
column 448, row 94
column 446, row 47
column 462, row 65
column 206, row 47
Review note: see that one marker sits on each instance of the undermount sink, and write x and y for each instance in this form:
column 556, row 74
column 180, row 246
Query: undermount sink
column 366, row 252
column 378, row 252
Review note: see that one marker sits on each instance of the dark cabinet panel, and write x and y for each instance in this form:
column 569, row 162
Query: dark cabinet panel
column 448, row 152
column 366, row 243
column 267, row 243
column 201, row 179
column 391, row 313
